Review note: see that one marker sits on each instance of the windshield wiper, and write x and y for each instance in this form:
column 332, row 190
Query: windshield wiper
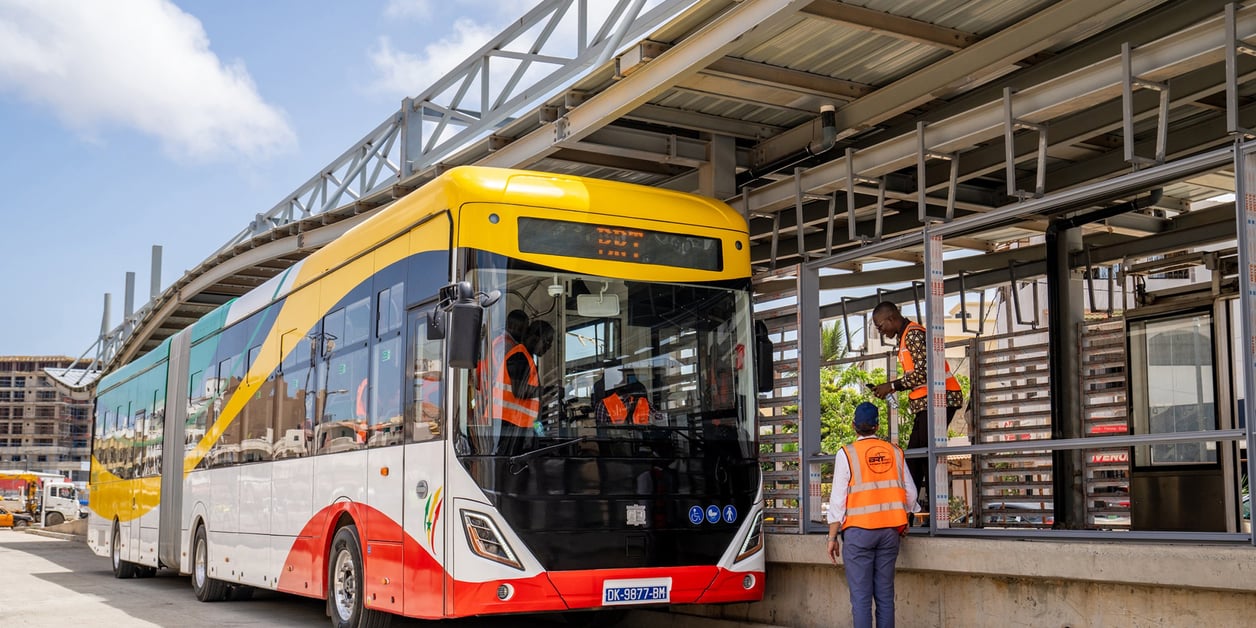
column 535, row 452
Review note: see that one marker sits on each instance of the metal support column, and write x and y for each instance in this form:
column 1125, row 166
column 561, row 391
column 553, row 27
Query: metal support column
column 935, row 339
column 1064, row 314
column 809, row 394
column 717, row 177
column 1245, row 215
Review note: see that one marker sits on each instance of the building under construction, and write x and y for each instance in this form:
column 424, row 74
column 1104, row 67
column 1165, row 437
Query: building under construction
column 43, row 427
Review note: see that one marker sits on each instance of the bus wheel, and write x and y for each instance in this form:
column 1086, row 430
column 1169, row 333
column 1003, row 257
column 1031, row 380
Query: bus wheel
column 121, row 568
column 207, row 589
column 55, row 519
column 345, row 596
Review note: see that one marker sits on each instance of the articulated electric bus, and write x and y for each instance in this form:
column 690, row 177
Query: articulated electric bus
column 330, row 433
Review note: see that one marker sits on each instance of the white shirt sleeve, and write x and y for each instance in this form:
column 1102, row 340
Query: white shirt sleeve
column 910, row 485
column 841, row 484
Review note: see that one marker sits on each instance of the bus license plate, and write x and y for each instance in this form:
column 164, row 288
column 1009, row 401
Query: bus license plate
column 637, row 591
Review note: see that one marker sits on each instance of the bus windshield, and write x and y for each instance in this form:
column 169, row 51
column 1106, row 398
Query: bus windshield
column 581, row 365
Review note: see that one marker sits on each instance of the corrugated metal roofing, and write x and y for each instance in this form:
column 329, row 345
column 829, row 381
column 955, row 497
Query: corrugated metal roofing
column 764, row 87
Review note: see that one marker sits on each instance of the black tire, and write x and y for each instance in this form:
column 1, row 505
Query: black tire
column 345, row 596
column 121, row 568
column 54, row 519
column 207, row 589
column 19, row 523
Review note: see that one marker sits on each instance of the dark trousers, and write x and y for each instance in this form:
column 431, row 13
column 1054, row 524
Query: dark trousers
column 869, row 557
column 919, row 467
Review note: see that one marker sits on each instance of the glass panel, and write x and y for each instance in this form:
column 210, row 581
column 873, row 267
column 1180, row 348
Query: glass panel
column 257, row 433
column 425, row 406
column 333, row 332
column 1173, row 389
column 674, row 358
column 357, row 321
column 294, row 421
column 389, row 306
column 386, row 423
column 343, row 423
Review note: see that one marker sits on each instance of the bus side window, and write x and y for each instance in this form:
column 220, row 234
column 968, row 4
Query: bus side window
column 256, row 433
column 425, row 383
column 387, row 357
column 345, row 367
column 294, row 419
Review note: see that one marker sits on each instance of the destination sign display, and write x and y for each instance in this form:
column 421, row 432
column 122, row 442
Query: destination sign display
column 619, row 244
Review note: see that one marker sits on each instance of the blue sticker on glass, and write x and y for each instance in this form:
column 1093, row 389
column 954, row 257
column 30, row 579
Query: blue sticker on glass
column 695, row 515
column 730, row 514
column 713, row 513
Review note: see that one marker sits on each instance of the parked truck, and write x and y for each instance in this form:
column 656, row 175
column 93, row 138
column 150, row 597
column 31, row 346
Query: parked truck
column 49, row 498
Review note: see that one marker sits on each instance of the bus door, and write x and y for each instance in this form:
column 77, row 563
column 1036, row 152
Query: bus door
column 424, row 488
column 380, row 399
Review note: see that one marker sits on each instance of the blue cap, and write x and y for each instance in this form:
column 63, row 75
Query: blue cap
column 867, row 415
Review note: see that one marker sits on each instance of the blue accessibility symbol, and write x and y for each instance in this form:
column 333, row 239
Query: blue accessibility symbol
column 713, row 513
column 730, row 514
column 695, row 515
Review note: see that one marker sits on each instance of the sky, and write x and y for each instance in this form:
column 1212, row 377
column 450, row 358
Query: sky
column 132, row 123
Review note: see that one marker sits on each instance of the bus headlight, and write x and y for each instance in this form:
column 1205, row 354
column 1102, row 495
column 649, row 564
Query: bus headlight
column 754, row 540
column 486, row 540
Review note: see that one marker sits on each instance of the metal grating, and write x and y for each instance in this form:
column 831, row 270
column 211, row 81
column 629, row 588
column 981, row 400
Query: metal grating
column 1105, row 412
column 1010, row 386
column 778, row 419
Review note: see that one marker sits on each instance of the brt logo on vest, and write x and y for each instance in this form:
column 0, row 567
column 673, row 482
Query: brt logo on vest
column 879, row 459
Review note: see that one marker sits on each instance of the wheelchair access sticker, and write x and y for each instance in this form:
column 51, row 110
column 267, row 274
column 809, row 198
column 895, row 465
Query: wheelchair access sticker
column 695, row 515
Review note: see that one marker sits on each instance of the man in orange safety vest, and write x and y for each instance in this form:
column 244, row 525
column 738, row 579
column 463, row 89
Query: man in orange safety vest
column 626, row 404
column 517, row 391
column 913, row 356
column 872, row 494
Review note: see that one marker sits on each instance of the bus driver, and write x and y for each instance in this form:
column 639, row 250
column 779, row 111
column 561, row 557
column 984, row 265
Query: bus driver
column 517, row 390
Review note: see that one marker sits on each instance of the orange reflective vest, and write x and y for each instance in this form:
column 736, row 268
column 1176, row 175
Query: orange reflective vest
column 876, row 497
column 618, row 412
column 909, row 365
column 496, row 356
column 508, row 407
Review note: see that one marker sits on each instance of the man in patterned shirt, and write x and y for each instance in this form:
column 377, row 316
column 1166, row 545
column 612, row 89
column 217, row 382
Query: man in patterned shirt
column 913, row 357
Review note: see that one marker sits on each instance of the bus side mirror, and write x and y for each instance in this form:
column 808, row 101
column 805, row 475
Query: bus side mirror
column 435, row 326
column 764, row 371
column 466, row 316
column 462, row 337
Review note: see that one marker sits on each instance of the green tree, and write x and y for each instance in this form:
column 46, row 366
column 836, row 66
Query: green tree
column 832, row 342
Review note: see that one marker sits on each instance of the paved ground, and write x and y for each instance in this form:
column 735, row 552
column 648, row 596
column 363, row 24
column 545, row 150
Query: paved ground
column 46, row 581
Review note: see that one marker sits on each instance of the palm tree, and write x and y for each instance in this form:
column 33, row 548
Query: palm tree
column 832, row 342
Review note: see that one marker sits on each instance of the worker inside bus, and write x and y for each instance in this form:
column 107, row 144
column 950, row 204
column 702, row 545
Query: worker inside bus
column 625, row 402
column 517, row 391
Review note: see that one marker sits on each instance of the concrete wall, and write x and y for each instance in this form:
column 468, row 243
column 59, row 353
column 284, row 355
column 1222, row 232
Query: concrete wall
column 993, row 582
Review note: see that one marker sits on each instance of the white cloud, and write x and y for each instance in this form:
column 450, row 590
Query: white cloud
column 143, row 64
column 410, row 9
column 402, row 73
